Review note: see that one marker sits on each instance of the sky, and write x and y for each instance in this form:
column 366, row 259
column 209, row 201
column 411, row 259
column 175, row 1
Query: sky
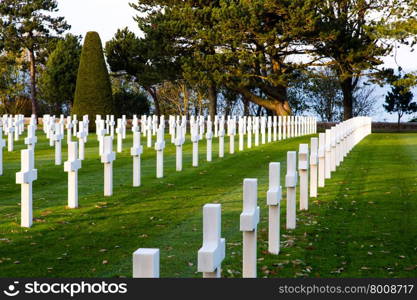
column 106, row 16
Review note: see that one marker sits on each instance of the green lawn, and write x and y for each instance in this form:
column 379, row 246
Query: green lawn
column 363, row 224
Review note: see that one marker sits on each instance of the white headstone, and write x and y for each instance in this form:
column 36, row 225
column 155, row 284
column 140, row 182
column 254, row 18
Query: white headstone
column 327, row 155
column 159, row 147
column 136, row 151
column 195, row 137
column 291, row 183
column 31, row 140
column 146, row 263
column 232, row 133
column 249, row 220
column 179, row 141
column 209, row 139
column 321, row 156
column 58, row 137
column 333, row 149
column 273, row 200
column 107, row 159
column 314, row 145
column 119, row 131
column 303, row 169
column 241, row 132
column 221, row 134
column 2, row 145
column 212, row 253
column 249, row 132
column 81, row 135
column 25, row 178
column 71, row 167
column 10, row 130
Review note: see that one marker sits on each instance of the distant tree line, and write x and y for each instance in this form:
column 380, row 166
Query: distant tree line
column 254, row 57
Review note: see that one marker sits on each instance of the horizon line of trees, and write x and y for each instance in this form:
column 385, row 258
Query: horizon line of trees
column 254, row 57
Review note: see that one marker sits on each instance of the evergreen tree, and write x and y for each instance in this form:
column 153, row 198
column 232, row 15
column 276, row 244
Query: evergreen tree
column 241, row 46
column 29, row 25
column 93, row 93
column 400, row 100
column 149, row 61
column 57, row 82
column 353, row 36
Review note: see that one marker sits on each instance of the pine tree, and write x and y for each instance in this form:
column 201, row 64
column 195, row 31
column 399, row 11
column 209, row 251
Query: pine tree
column 30, row 26
column 57, row 82
column 400, row 100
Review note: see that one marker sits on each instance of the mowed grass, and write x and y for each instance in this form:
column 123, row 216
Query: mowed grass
column 363, row 224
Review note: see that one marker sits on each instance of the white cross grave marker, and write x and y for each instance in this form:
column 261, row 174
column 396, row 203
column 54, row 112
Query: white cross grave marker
column 107, row 159
column 250, row 132
column 11, row 130
column 221, row 134
column 194, row 139
column 273, row 200
column 327, row 155
column 119, row 131
column 313, row 166
column 81, row 135
column 321, row 155
column 159, row 147
column 179, row 141
column 31, row 140
column 58, row 137
column 2, row 145
column 232, row 133
column 25, row 178
column 209, row 139
column 212, row 253
column 71, row 167
column 241, row 133
column 303, row 169
column 249, row 220
column 291, row 179
column 136, row 152
column 69, row 128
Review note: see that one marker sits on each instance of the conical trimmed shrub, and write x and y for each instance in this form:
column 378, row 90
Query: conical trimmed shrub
column 93, row 93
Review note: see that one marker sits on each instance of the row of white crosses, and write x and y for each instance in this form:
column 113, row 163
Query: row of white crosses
column 278, row 128
column 54, row 130
column 210, row 256
column 28, row 173
column 13, row 127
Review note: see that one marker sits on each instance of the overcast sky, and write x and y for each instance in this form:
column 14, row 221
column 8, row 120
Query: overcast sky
column 106, row 16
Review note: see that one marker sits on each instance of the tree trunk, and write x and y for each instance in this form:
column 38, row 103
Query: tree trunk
column 32, row 66
column 245, row 106
column 347, row 89
column 152, row 92
column 258, row 112
column 280, row 107
column 212, row 96
column 399, row 121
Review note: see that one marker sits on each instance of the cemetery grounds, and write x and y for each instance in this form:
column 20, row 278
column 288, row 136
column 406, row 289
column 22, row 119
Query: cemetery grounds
column 362, row 224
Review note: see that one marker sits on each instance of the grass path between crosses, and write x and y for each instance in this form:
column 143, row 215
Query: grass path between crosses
column 363, row 224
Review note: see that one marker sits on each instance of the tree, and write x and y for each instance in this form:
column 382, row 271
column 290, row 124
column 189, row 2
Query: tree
column 352, row 36
column 14, row 95
column 150, row 63
column 29, row 25
column 400, row 100
column 129, row 98
column 364, row 100
column 93, row 93
column 243, row 46
column 57, row 82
